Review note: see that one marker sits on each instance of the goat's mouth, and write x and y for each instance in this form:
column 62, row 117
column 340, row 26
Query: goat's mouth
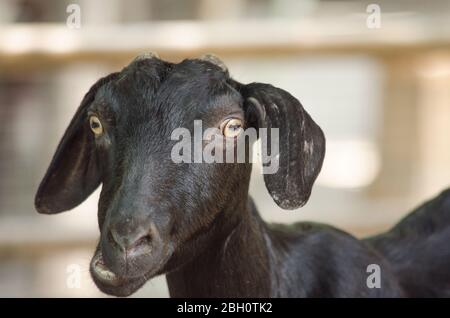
column 109, row 282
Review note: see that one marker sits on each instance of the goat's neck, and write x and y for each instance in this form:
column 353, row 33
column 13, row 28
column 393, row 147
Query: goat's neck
column 235, row 264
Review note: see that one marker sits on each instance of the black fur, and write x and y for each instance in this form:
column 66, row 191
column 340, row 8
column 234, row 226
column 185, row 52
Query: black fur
column 196, row 223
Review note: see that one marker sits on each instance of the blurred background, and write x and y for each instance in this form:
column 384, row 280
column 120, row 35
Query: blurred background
column 375, row 78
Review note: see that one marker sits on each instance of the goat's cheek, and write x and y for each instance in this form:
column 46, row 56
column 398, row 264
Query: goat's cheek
column 101, row 218
column 102, row 208
column 103, row 142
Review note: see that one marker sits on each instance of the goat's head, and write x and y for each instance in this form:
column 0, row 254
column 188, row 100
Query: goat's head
column 155, row 213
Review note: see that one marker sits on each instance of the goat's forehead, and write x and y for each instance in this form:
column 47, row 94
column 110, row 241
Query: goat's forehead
column 190, row 86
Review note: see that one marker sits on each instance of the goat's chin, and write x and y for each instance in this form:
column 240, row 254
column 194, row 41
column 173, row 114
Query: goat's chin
column 127, row 288
column 112, row 284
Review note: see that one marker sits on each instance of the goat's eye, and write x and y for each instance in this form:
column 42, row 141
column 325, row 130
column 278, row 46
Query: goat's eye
column 96, row 125
column 231, row 127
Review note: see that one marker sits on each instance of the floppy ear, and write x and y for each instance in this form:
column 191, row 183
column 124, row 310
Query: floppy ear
column 73, row 173
column 301, row 142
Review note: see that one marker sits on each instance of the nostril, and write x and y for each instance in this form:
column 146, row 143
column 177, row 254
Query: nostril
column 143, row 241
column 127, row 242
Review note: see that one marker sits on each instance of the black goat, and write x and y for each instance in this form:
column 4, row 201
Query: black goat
column 195, row 221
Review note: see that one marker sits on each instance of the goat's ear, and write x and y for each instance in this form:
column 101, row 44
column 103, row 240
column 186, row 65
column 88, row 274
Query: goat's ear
column 73, row 173
column 301, row 142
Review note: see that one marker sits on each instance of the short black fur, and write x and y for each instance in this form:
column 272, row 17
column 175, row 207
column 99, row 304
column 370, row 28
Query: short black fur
column 196, row 222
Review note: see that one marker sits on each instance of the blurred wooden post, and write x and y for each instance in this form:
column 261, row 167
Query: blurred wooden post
column 415, row 139
column 434, row 125
column 399, row 141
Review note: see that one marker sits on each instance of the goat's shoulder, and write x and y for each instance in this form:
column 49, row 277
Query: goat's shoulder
column 310, row 233
column 324, row 261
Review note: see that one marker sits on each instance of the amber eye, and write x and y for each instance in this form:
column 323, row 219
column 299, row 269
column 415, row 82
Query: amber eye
column 96, row 125
column 231, row 127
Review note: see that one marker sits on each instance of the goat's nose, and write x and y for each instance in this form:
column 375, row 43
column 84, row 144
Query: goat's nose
column 130, row 240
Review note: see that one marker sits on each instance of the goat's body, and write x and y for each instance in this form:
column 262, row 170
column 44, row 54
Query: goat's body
column 326, row 262
column 418, row 248
column 314, row 260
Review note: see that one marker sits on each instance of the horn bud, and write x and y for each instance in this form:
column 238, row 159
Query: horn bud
column 147, row 55
column 211, row 58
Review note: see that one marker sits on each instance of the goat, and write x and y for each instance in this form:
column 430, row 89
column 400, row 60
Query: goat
column 195, row 222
